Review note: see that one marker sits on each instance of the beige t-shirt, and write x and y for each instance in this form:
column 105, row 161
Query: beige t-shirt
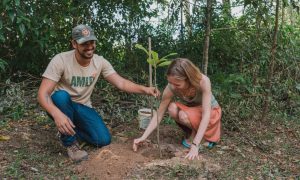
column 77, row 80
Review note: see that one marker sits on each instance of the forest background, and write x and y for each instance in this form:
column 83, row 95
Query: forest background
column 252, row 58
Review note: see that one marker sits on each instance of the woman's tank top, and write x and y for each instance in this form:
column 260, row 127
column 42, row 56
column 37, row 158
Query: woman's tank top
column 193, row 101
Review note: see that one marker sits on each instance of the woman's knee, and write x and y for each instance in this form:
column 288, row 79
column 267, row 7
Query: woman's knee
column 173, row 110
column 183, row 117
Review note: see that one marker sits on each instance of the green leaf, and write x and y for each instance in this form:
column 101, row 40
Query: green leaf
column 5, row 2
column 155, row 56
column 247, row 2
column 11, row 15
column 22, row 29
column 19, row 20
column 2, row 38
column 1, row 24
column 20, row 43
column 17, row 2
column 171, row 54
column 41, row 44
column 285, row 3
column 25, row 18
column 151, row 62
column 298, row 86
column 2, row 64
column 235, row 96
column 166, row 63
column 142, row 48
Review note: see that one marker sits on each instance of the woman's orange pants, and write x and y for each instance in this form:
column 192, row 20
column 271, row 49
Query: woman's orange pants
column 213, row 131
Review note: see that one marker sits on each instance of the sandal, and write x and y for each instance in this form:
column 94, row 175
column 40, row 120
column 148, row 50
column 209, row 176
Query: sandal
column 185, row 144
column 211, row 145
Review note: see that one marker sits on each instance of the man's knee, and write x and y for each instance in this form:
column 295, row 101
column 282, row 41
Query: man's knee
column 60, row 96
column 103, row 140
column 173, row 110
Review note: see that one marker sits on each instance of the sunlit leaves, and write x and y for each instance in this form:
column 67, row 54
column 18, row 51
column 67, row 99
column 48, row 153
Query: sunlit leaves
column 17, row 2
column 142, row 48
column 153, row 58
column 298, row 87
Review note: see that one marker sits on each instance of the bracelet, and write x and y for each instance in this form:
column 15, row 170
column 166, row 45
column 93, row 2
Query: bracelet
column 194, row 144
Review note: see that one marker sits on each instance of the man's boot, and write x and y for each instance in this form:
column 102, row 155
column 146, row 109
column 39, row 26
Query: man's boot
column 75, row 153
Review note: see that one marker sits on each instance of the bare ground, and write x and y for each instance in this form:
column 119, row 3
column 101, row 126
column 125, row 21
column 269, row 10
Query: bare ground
column 256, row 151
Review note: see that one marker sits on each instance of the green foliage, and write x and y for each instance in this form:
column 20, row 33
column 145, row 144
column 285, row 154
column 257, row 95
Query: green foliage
column 31, row 33
column 153, row 58
column 3, row 64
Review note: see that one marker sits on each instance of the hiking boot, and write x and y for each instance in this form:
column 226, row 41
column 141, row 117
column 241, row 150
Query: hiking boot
column 75, row 154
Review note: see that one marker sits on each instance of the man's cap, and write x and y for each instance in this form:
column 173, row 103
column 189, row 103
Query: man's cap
column 83, row 33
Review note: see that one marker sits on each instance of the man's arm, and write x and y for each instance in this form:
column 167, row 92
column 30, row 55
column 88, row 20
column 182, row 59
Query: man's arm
column 63, row 123
column 129, row 86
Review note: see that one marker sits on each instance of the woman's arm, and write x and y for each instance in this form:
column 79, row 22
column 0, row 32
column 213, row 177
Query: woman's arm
column 206, row 109
column 166, row 99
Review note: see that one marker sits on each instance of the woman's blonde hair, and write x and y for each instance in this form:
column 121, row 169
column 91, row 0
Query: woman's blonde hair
column 184, row 69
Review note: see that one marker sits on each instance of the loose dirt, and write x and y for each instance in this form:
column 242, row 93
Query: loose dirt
column 119, row 161
column 34, row 152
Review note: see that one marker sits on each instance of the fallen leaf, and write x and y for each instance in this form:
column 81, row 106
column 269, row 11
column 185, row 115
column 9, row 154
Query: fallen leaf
column 4, row 138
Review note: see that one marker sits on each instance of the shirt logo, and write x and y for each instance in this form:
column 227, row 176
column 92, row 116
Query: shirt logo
column 79, row 81
column 94, row 74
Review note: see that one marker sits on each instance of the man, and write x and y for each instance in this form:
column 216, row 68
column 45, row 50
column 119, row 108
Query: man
column 66, row 88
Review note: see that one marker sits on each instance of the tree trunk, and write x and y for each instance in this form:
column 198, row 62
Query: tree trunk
column 181, row 21
column 186, row 10
column 268, row 95
column 207, row 35
column 255, row 70
column 282, row 15
column 292, row 15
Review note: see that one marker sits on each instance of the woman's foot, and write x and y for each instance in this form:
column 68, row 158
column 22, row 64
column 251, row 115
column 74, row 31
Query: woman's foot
column 186, row 143
column 209, row 144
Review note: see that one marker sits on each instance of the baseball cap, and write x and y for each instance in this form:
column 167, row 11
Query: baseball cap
column 83, row 33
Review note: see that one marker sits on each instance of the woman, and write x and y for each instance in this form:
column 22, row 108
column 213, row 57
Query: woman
column 197, row 112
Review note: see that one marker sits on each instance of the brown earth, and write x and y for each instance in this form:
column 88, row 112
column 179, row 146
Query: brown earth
column 119, row 161
column 265, row 152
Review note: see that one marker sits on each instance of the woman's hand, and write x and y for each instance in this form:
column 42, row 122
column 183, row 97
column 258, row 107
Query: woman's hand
column 193, row 153
column 136, row 143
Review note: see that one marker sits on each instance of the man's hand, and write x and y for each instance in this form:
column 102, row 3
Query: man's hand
column 136, row 143
column 64, row 124
column 193, row 153
column 153, row 91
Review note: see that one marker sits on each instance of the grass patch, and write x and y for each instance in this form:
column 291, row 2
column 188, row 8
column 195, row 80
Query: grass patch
column 30, row 164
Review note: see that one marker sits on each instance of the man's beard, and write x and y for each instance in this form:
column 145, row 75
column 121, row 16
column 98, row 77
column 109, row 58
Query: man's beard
column 86, row 55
